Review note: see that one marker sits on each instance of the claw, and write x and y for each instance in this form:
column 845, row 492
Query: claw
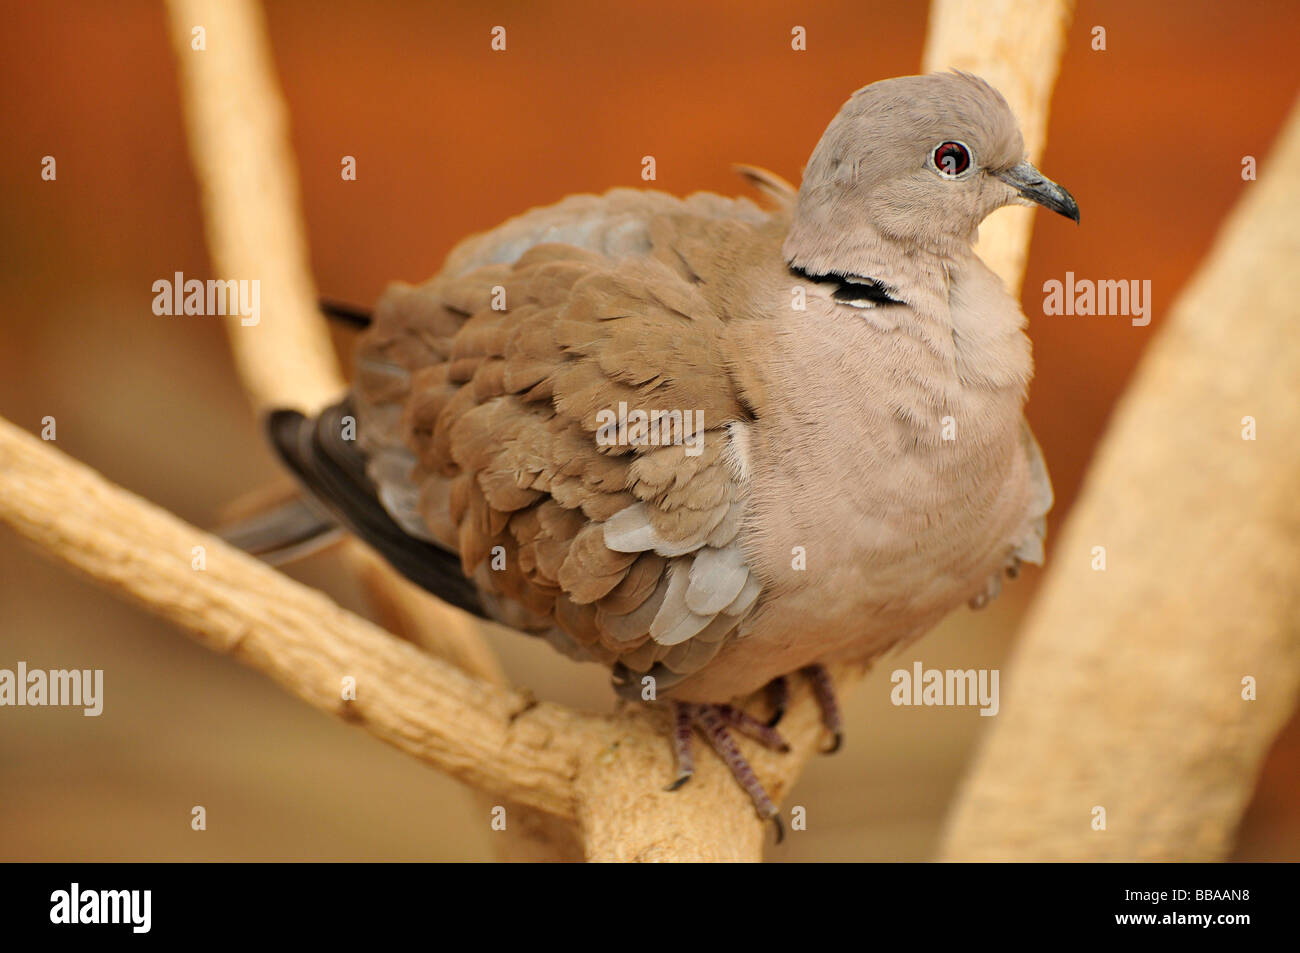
column 683, row 719
column 824, row 689
column 681, row 779
column 713, row 721
column 747, row 724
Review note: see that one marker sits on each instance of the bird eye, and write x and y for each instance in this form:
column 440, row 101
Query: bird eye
column 951, row 158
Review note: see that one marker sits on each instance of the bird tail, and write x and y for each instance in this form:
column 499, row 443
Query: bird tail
column 281, row 527
column 343, row 313
column 331, row 470
column 278, row 525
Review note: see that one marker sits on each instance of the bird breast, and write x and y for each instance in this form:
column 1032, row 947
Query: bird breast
column 885, row 487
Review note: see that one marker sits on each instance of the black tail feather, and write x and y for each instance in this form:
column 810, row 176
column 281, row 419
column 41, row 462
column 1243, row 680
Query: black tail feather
column 331, row 468
column 348, row 314
column 284, row 533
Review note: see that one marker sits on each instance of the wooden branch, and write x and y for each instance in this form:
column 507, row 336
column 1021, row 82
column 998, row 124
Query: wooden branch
column 254, row 223
column 408, row 611
column 1016, row 45
column 295, row 634
column 239, row 143
column 1126, row 689
column 605, row 772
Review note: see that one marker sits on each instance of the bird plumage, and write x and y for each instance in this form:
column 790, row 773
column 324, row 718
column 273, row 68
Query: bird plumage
column 863, row 464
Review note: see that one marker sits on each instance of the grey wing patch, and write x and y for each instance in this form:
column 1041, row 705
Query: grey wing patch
column 716, row 578
column 616, row 225
column 391, row 470
column 707, row 590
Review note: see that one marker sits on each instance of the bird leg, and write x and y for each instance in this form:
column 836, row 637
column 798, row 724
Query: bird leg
column 683, row 719
column 714, row 721
column 824, row 690
column 714, row 726
column 778, row 695
column 747, row 724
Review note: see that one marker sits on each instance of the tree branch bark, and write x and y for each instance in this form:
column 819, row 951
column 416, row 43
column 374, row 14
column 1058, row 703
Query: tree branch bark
column 242, row 607
column 606, row 773
column 239, row 142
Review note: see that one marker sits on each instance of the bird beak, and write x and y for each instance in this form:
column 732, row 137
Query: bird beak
column 1039, row 189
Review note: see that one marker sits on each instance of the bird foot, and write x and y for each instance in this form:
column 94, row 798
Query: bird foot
column 824, row 691
column 715, row 721
column 778, row 693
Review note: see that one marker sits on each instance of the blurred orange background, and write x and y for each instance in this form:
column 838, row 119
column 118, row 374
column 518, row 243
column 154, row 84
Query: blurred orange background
column 451, row 138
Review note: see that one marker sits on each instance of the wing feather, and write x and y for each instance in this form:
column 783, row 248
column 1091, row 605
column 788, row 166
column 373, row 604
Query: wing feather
column 482, row 395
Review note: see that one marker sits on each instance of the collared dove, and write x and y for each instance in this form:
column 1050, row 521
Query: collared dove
column 708, row 444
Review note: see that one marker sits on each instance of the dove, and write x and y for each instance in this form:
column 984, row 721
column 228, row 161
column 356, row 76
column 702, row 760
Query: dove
column 707, row 443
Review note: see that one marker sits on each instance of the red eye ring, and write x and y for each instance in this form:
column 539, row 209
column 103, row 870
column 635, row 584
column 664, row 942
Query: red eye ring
column 951, row 158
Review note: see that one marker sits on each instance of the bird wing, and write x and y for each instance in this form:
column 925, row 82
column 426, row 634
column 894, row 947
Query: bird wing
column 481, row 397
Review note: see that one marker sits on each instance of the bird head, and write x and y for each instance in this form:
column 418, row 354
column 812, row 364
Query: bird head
column 916, row 161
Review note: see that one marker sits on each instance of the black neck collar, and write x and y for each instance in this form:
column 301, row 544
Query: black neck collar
column 856, row 290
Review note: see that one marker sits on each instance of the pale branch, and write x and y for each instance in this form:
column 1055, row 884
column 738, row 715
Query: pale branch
column 1017, row 46
column 254, row 224
column 408, row 611
column 1126, row 687
column 237, row 126
column 238, row 133
column 607, row 773
column 298, row 636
